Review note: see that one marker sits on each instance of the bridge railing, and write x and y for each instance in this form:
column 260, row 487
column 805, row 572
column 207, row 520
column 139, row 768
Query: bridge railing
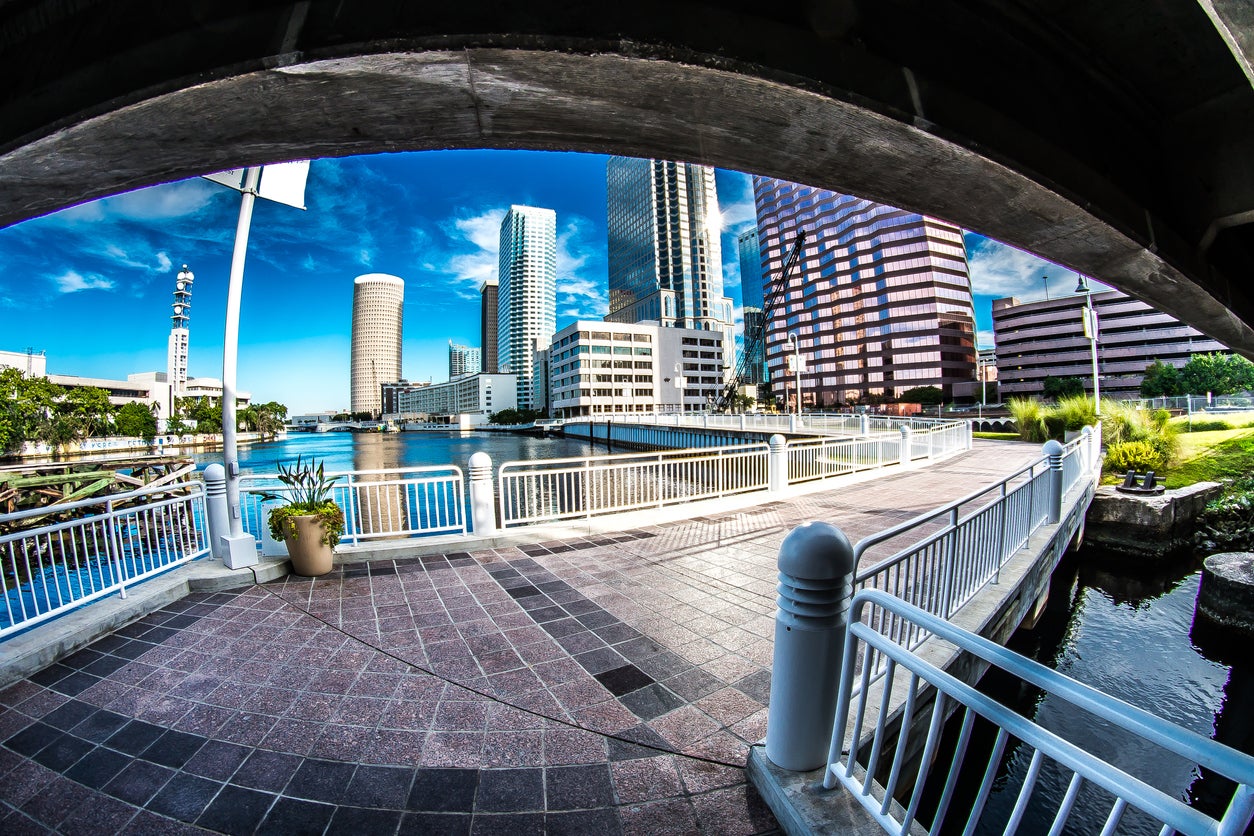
column 873, row 774
column 394, row 502
column 107, row 545
column 954, row 550
column 556, row 489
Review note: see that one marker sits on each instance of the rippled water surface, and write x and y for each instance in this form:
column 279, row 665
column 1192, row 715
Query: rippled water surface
column 1126, row 630
column 375, row 451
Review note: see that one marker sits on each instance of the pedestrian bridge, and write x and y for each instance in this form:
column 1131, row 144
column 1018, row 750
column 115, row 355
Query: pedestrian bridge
column 650, row 629
column 1112, row 138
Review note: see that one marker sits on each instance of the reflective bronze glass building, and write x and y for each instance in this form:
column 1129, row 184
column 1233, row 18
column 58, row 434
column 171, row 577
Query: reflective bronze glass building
column 879, row 302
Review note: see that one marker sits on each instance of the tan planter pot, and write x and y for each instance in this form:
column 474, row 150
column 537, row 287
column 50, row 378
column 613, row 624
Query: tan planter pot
column 310, row 556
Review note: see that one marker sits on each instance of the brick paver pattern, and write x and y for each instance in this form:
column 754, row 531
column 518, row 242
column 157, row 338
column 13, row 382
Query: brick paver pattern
column 605, row 685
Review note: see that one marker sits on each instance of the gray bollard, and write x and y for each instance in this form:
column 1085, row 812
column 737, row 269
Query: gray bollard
column 1053, row 451
column 216, row 513
column 816, row 569
column 864, row 424
column 777, row 464
column 482, row 506
column 907, row 443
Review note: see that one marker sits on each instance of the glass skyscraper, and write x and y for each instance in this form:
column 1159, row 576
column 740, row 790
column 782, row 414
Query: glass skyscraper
column 751, row 300
column 880, row 301
column 665, row 256
column 527, row 293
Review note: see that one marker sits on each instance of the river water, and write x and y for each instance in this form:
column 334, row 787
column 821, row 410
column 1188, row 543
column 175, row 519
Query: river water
column 1128, row 631
column 376, row 451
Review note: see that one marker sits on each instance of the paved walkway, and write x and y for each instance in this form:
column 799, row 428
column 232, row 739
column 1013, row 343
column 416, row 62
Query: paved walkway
column 605, row 685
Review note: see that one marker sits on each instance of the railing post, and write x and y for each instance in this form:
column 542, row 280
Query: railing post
column 482, row 509
column 792, row 422
column 864, row 424
column 742, row 422
column 777, row 464
column 1053, row 451
column 906, row 443
column 216, row 513
column 816, row 570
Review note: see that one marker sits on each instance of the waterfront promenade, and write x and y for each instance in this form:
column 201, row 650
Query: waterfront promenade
column 608, row 682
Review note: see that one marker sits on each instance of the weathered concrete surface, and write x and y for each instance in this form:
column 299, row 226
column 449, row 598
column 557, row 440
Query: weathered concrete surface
column 1111, row 138
column 1226, row 593
column 1146, row 526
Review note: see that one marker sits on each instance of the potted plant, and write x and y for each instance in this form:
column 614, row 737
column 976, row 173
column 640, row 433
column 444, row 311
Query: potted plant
column 310, row 523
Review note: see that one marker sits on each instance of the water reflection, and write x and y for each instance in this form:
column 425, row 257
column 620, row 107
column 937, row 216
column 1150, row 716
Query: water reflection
column 369, row 451
column 1128, row 631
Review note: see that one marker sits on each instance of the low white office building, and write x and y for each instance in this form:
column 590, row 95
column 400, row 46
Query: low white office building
column 476, row 396
column 615, row 367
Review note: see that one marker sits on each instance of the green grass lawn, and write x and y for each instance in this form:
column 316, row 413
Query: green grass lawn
column 1213, row 456
column 998, row 436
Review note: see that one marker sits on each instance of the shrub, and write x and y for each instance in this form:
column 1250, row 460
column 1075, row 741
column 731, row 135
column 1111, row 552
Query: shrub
column 1227, row 524
column 1122, row 422
column 1077, row 412
column 1133, row 455
column 1207, row 426
column 1028, row 419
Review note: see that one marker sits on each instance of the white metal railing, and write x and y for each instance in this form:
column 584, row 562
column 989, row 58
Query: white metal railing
column 955, row 550
column 555, row 489
column 843, row 424
column 538, row 491
column 110, row 543
column 397, row 502
column 823, row 458
column 874, row 774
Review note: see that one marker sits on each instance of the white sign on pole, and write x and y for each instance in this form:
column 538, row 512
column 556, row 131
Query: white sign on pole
column 280, row 182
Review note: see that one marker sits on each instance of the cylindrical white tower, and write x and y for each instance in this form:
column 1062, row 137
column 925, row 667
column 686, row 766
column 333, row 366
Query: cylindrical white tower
column 176, row 352
column 378, row 302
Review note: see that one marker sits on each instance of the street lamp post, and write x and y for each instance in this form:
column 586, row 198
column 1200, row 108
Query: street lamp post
column 1090, row 331
column 797, row 365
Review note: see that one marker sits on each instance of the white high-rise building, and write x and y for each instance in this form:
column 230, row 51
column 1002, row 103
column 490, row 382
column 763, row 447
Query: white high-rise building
column 665, row 256
column 527, row 293
column 378, row 302
column 463, row 360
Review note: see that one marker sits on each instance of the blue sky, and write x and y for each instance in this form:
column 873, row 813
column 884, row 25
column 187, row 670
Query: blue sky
column 92, row 285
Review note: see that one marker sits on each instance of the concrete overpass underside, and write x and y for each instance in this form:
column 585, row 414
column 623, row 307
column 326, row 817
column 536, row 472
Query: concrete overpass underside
column 1114, row 138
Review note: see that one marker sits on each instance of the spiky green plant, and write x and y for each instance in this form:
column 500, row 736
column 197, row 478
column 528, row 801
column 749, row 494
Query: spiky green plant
column 1029, row 421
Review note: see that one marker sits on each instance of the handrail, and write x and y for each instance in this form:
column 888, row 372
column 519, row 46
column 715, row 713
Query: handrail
column 859, row 777
column 51, row 569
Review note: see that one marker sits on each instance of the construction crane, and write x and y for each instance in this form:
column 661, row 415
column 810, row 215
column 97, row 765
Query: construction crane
column 753, row 341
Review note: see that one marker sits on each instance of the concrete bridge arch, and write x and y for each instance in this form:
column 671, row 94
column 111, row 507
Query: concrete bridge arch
column 1113, row 138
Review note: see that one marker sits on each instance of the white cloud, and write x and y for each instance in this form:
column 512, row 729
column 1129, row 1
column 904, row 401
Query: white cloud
column 72, row 282
column 474, row 238
column 580, row 295
column 125, row 259
column 735, row 201
column 1000, row 270
column 164, row 202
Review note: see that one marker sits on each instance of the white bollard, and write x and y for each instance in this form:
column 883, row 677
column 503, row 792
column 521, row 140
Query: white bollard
column 907, row 443
column 217, row 516
column 1053, row 451
column 816, row 570
column 482, row 506
column 864, row 424
column 777, row 464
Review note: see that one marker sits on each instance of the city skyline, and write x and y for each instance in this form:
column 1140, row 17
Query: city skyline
column 90, row 285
